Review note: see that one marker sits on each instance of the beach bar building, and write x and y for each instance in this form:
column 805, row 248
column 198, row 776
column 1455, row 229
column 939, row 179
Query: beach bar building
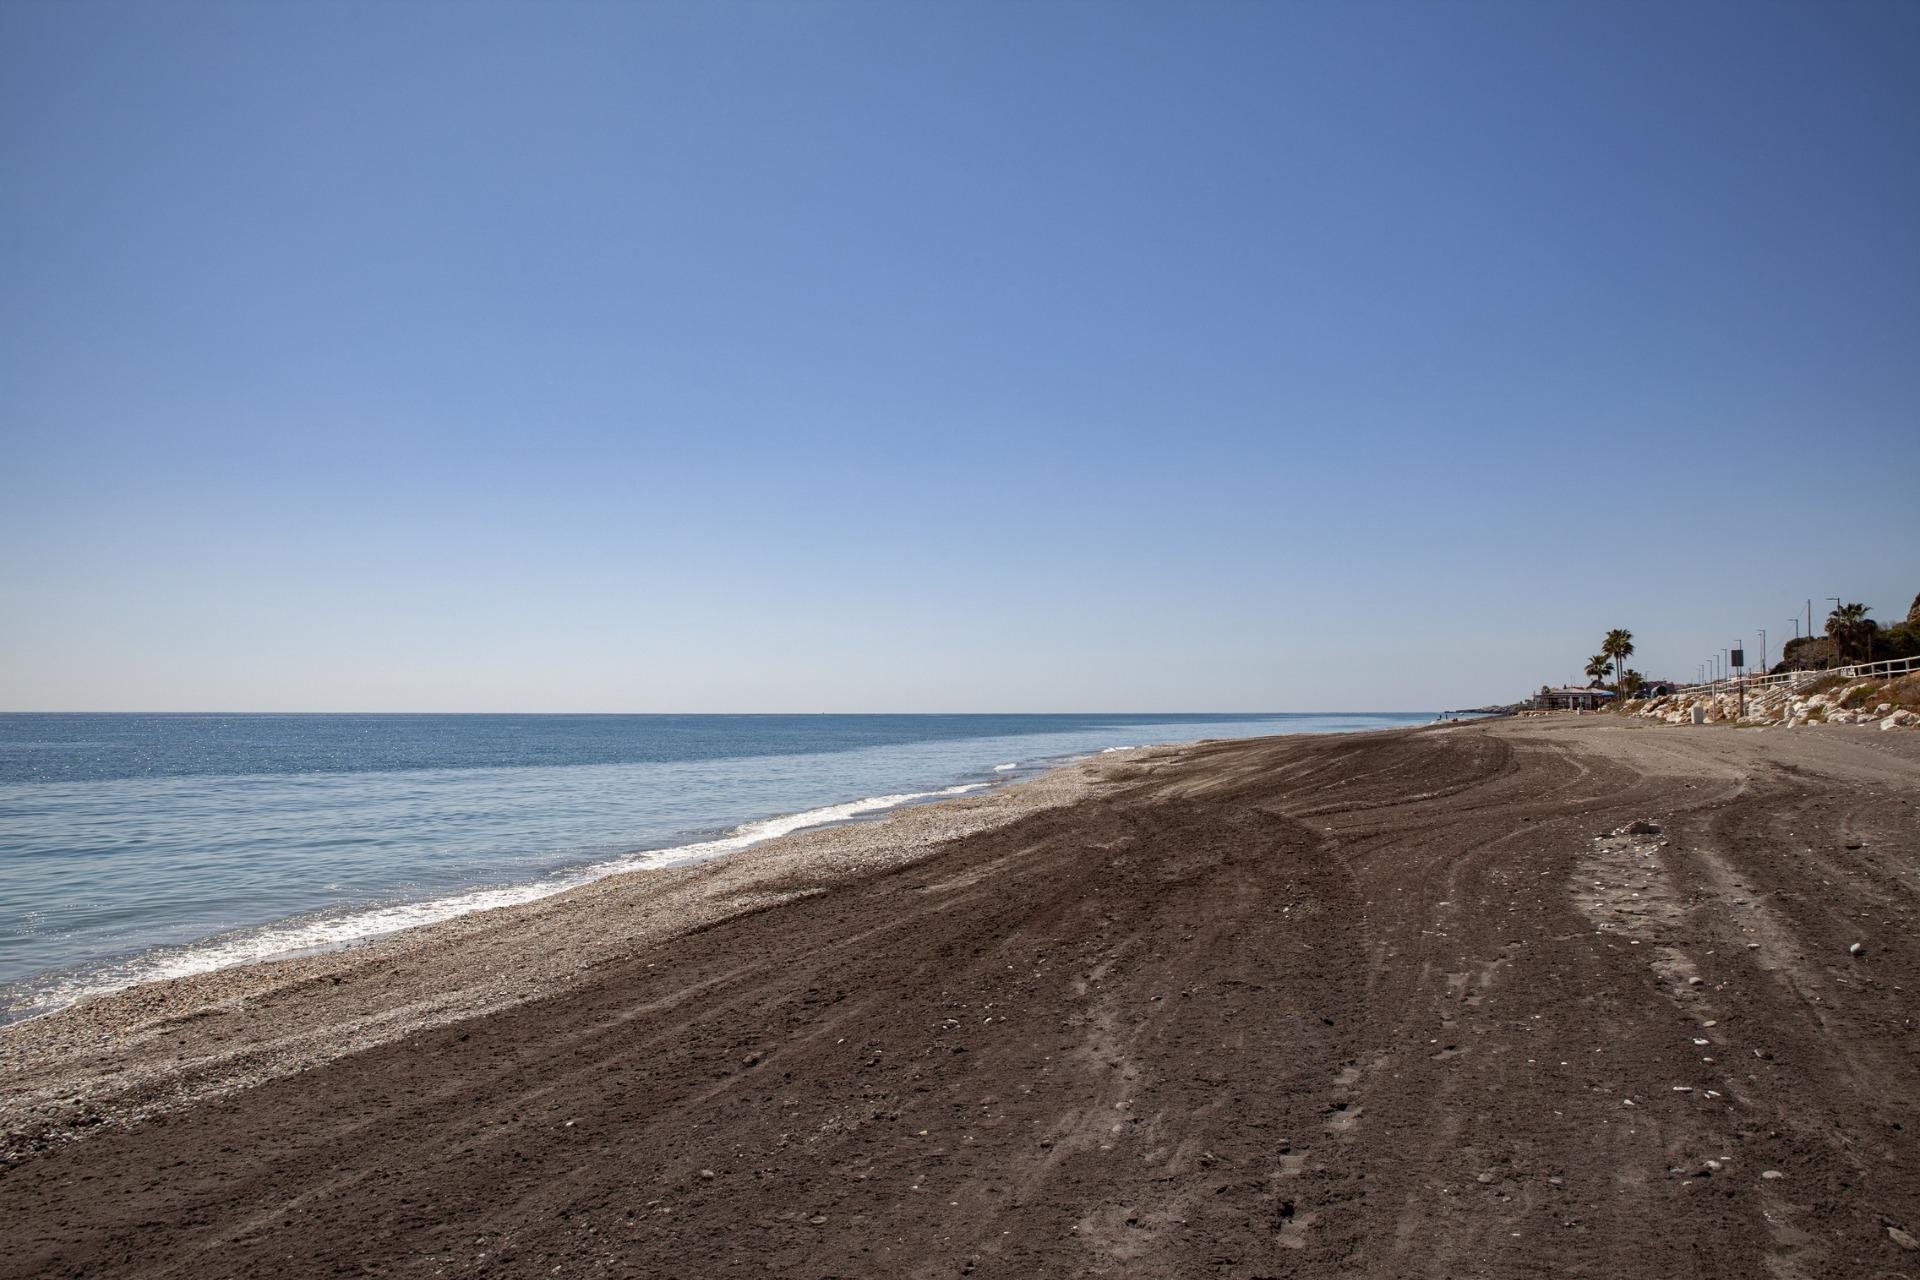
column 1569, row 698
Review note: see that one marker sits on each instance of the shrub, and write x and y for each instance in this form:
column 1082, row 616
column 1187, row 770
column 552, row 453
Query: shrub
column 1901, row 641
column 1903, row 693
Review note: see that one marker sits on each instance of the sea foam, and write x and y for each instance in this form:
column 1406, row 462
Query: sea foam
column 303, row 935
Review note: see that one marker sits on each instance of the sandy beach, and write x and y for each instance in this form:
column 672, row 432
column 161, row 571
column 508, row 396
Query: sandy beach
column 1413, row 1003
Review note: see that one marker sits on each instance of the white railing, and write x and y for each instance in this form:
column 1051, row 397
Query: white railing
column 1794, row 679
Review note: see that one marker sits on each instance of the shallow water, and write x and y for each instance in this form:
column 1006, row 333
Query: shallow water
column 135, row 847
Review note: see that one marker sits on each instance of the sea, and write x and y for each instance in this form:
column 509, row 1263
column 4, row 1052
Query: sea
column 142, row 847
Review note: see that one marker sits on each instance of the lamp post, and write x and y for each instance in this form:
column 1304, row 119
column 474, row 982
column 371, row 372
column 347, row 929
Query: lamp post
column 1763, row 650
column 1738, row 661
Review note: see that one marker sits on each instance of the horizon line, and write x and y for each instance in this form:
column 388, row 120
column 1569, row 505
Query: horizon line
column 363, row 712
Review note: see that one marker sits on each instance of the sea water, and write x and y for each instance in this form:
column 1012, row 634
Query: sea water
column 140, row 847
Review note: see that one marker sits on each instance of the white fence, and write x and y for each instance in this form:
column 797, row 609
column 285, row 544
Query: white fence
column 1794, row 679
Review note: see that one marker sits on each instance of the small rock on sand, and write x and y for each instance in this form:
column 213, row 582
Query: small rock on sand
column 1857, row 949
column 1903, row 1238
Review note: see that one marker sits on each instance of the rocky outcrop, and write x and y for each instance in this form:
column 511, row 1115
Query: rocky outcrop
column 1808, row 653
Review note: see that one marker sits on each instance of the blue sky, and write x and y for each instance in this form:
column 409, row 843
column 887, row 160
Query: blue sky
column 942, row 357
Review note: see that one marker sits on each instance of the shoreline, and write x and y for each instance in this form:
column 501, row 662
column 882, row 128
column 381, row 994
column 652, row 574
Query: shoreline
column 352, row 931
column 100, row 1059
column 321, row 918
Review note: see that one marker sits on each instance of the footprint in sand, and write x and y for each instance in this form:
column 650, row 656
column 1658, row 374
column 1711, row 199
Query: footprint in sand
column 1344, row 1113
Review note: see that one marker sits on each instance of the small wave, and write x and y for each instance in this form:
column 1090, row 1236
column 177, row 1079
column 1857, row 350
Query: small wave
column 767, row 829
column 1007, row 767
column 293, row 937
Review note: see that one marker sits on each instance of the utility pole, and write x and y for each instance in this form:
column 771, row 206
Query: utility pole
column 1763, row 650
column 1809, row 617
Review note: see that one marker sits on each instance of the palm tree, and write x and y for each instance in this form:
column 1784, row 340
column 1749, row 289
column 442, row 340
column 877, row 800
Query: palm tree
column 1619, row 646
column 1597, row 667
column 1852, row 631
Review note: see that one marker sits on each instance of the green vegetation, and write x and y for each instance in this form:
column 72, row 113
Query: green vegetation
column 1852, row 636
column 1852, row 632
column 1619, row 646
column 1608, row 668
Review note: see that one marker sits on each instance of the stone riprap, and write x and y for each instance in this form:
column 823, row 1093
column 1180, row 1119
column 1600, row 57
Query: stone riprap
column 1882, row 704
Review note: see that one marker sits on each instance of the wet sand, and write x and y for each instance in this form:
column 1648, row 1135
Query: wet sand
column 1391, row 1004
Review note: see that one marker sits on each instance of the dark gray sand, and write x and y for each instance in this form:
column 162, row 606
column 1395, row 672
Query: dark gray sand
column 1391, row 1004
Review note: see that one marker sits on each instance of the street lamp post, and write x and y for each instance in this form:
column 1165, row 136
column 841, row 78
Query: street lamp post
column 1763, row 650
column 1737, row 656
